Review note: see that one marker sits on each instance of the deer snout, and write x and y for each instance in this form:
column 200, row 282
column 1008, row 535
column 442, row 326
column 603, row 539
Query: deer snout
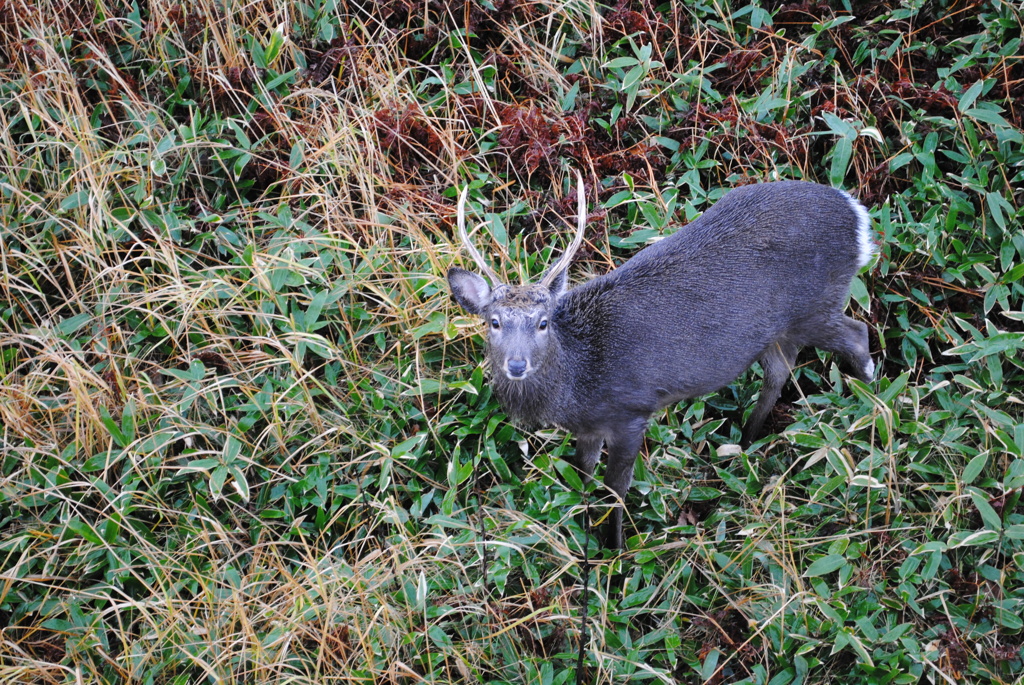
column 516, row 368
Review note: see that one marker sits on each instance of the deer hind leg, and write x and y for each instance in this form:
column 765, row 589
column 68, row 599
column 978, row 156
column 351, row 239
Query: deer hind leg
column 777, row 362
column 848, row 338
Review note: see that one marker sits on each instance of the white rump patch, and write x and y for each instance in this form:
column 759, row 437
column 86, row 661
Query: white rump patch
column 869, row 369
column 865, row 245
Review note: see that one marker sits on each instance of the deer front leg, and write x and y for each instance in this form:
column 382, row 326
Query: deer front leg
column 588, row 453
column 622, row 451
column 777, row 363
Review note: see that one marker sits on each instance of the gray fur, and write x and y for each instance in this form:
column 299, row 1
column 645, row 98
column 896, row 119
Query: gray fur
column 759, row 275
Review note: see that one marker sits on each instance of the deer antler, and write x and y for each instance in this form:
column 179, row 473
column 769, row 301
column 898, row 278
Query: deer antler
column 581, row 225
column 477, row 257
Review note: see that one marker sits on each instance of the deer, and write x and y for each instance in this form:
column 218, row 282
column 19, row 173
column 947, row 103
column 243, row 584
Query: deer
column 762, row 273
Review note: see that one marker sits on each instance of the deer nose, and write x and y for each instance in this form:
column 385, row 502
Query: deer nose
column 516, row 367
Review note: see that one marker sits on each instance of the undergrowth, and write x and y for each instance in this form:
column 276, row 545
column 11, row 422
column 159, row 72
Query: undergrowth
column 246, row 436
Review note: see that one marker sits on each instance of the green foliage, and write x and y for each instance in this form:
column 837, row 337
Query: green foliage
column 243, row 432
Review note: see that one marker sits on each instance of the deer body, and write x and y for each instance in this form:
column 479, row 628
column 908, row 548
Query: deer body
column 762, row 273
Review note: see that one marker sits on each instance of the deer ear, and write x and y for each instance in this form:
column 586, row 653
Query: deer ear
column 469, row 290
column 558, row 284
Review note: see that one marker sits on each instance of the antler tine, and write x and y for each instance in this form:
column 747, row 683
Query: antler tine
column 581, row 225
column 464, row 237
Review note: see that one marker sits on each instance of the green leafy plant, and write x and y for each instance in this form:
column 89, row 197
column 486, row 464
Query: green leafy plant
column 245, row 436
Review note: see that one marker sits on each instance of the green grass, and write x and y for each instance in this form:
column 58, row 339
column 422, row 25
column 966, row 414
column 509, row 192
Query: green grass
column 245, row 433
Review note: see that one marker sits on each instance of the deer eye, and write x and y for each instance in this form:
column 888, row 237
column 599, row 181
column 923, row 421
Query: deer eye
column 543, row 325
column 495, row 324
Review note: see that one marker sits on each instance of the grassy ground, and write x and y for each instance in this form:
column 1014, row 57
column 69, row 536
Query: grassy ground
column 245, row 433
